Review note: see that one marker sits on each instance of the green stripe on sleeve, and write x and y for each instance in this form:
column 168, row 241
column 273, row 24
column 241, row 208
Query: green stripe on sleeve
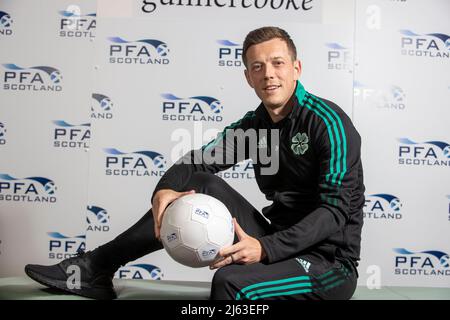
column 335, row 129
column 344, row 139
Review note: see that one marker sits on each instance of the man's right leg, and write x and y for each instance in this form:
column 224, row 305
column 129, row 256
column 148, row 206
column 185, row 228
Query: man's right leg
column 137, row 241
column 96, row 268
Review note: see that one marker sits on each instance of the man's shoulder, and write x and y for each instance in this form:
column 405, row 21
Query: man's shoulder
column 326, row 110
column 325, row 104
column 249, row 116
column 244, row 120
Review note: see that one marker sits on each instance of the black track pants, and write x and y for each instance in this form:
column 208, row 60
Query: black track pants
column 305, row 277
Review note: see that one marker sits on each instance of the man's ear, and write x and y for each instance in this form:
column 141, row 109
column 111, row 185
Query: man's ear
column 297, row 69
column 248, row 78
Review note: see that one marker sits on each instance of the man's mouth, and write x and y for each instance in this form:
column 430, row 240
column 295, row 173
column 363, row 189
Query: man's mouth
column 272, row 87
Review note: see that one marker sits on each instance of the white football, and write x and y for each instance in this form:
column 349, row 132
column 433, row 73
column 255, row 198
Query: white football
column 194, row 228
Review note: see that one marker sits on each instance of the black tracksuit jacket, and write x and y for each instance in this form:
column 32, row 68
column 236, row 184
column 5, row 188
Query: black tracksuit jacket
column 318, row 191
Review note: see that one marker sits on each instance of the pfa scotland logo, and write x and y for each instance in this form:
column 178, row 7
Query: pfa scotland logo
column 430, row 45
column 98, row 219
column 140, row 163
column 145, row 51
column 423, row 263
column 2, row 134
column 101, row 107
column 68, row 135
column 382, row 206
column 63, row 247
column 242, row 170
column 73, row 24
column 230, row 54
column 30, row 189
column 140, row 271
column 196, row 108
column 428, row 153
column 39, row 78
column 391, row 97
column 339, row 57
column 448, row 208
column 5, row 24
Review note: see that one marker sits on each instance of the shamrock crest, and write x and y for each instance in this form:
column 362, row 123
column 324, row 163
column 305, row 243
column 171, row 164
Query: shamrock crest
column 299, row 143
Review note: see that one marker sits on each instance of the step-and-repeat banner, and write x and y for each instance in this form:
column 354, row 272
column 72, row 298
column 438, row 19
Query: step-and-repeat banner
column 401, row 107
column 99, row 99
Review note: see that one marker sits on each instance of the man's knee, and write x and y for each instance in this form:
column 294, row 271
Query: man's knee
column 203, row 181
column 221, row 277
column 223, row 287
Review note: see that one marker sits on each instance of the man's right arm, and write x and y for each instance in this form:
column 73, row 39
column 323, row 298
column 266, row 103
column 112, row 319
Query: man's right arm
column 219, row 154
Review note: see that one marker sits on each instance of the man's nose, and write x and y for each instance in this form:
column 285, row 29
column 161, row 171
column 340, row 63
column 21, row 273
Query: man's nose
column 269, row 71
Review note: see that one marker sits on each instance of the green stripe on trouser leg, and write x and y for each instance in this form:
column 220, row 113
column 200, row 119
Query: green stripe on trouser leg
column 294, row 285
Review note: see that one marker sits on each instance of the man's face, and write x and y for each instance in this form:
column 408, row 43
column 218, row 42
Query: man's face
column 271, row 72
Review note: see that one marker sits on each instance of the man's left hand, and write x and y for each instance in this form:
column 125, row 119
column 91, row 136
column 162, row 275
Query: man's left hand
column 247, row 251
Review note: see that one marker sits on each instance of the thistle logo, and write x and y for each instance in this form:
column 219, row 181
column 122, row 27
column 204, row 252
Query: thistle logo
column 429, row 153
column 2, row 134
column 140, row 271
column 391, row 97
column 145, row 51
column 71, row 136
column 31, row 79
column 32, row 189
column 382, row 206
column 140, row 163
column 198, row 108
column 97, row 219
column 63, row 247
column 101, row 107
column 75, row 25
column 424, row 263
column 230, row 54
column 242, row 170
column 339, row 57
column 5, row 24
column 432, row 45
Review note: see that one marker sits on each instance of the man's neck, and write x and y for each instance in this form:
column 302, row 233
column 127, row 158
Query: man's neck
column 279, row 113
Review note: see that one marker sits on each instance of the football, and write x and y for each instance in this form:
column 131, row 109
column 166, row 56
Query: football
column 194, row 228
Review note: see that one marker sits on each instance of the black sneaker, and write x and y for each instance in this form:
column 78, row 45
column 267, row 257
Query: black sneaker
column 95, row 284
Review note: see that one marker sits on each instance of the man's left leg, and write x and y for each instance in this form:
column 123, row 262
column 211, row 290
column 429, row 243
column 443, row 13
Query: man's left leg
column 303, row 278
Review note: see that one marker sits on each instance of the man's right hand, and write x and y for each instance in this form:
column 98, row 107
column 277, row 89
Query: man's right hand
column 161, row 200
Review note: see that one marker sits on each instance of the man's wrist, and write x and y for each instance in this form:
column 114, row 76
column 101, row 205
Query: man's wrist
column 263, row 252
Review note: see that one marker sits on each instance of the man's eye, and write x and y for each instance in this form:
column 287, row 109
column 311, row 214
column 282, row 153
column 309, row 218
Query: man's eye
column 256, row 67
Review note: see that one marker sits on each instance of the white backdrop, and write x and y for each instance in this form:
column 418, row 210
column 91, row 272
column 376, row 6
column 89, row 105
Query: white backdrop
column 86, row 85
